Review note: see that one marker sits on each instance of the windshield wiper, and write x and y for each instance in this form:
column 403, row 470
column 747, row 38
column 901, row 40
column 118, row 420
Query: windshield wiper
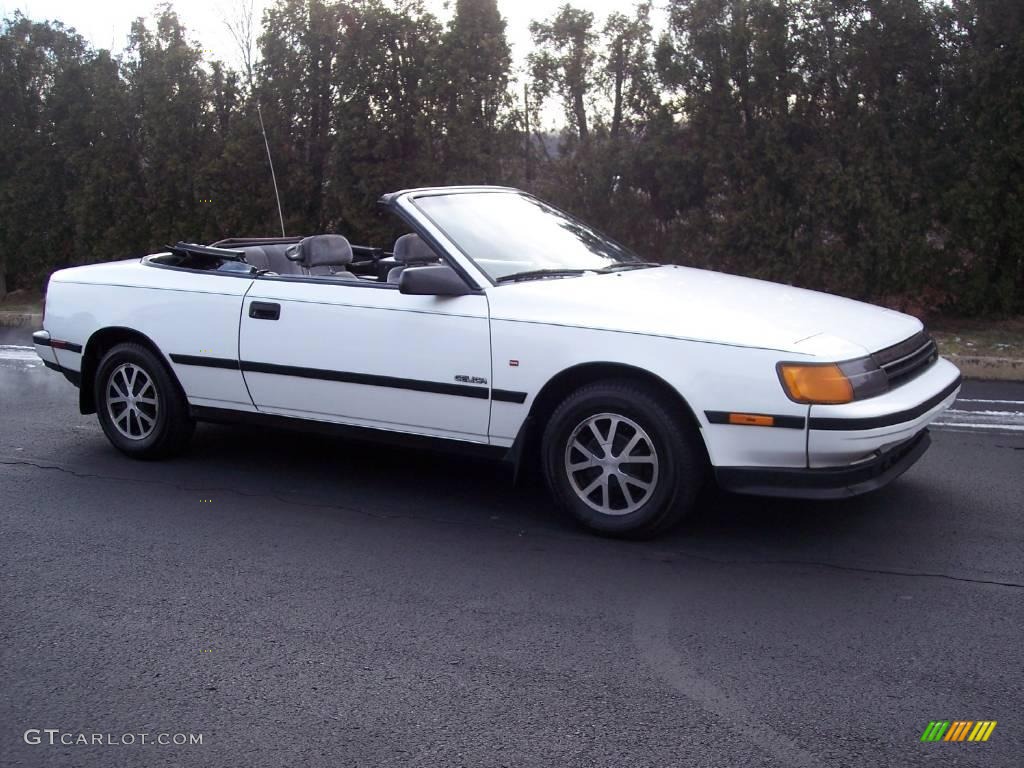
column 623, row 265
column 538, row 274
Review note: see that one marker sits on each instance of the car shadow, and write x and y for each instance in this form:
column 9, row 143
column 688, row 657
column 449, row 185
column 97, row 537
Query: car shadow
column 387, row 480
column 377, row 478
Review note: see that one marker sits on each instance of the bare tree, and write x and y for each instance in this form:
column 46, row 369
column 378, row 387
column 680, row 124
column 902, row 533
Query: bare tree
column 241, row 24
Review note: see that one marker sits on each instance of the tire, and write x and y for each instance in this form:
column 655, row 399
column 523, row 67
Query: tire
column 160, row 425
column 630, row 499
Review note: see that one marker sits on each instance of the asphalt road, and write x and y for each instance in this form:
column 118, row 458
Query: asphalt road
column 303, row 601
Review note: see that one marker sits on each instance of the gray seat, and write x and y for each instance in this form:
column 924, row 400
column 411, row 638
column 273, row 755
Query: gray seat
column 279, row 261
column 255, row 256
column 410, row 251
column 271, row 258
column 323, row 256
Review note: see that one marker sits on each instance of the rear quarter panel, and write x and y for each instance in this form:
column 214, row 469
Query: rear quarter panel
column 180, row 312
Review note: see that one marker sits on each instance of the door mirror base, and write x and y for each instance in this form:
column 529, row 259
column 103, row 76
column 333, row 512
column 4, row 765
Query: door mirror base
column 435, row 280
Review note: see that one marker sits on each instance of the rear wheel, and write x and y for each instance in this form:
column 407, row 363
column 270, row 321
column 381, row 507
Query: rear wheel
column 621, row 461
column 140, row 407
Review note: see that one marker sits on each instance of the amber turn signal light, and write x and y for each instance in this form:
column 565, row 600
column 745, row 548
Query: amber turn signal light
column 751, row 420
column 821, row 384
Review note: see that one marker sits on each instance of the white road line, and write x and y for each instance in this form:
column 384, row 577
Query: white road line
column 967, row 427
column 993, row 402
column 986, row 413
column 960, row 419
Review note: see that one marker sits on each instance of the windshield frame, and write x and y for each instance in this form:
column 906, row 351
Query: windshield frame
column 496, row 282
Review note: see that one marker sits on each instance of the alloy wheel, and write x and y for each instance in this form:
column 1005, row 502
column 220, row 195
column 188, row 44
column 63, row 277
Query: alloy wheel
column 132, row 401
column 611, row 463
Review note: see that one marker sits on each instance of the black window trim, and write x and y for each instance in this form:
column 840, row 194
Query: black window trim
column 148, row 262
column 327, row 280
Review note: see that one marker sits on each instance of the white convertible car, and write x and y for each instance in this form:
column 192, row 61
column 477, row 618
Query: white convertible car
column 501, row 324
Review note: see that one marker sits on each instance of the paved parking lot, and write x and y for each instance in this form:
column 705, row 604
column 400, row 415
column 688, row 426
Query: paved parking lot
column 306, row 601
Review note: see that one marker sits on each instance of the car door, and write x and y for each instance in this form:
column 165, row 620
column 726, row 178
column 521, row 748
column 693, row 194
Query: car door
column 363, row 354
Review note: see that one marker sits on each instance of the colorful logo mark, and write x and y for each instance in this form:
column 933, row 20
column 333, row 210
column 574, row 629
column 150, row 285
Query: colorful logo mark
column 958, row 730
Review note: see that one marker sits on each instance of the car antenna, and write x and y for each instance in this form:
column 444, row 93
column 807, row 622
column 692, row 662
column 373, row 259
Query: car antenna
column 270, row 160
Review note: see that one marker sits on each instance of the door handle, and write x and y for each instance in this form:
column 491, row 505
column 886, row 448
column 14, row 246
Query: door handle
column 264, row 310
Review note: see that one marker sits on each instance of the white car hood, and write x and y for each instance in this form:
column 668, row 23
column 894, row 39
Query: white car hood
column 707, row 306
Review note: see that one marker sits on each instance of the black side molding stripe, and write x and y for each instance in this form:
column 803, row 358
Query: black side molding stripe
column 70, row 346
column 785, row 422
column 205, row 362
column 888, row 419
column 348, row 377
column 508, row 396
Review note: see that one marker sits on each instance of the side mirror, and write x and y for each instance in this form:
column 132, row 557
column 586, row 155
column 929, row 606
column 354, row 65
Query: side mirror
column 437, row 280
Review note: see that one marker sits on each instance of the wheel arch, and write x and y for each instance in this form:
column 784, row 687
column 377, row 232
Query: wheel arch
column 101, row 342
column 567, row 381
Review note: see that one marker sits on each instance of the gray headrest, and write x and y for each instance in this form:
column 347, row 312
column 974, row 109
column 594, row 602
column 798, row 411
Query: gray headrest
column 410, row 249
column 322, row 251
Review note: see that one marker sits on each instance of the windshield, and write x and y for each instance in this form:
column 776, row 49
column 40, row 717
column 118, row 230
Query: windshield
column 508, row 233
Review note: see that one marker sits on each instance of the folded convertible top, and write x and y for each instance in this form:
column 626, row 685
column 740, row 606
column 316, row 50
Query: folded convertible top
column 186, row 249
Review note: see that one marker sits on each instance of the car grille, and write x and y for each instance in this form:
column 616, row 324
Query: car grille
column 902, row 362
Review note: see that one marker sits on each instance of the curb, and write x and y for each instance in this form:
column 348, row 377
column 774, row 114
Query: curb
column 994, row 368
column 31, row 320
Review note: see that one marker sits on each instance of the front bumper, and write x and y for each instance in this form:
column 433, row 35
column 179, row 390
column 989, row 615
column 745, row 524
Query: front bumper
column 826, row 483
column 846, row 435
column 856, row 447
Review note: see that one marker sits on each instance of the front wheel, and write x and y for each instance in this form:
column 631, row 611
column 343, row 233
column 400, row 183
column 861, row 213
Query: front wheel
column 140, row 408
column 621, row 460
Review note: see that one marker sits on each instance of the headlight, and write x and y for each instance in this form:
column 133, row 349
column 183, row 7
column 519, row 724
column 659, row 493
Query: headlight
column 832, row 383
